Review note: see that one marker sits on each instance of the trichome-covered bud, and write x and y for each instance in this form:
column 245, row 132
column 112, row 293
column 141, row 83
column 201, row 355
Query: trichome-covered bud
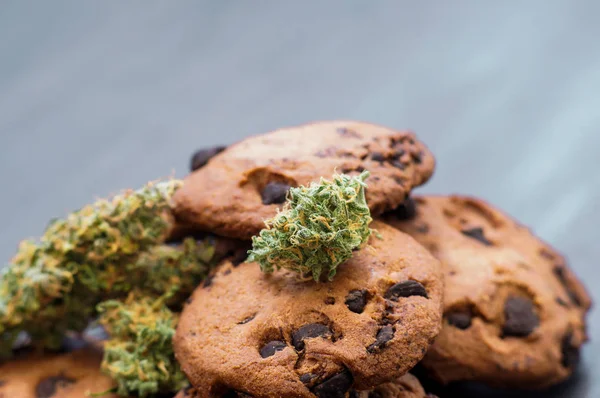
column 318, row 228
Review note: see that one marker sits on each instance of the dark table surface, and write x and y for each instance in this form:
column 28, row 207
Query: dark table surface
column 99, row 96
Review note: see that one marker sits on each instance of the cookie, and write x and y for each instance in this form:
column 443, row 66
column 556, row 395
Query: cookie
column 70, row 375
column 514, row 314
column 246, row 183
column 406, row 386
column 274, row 335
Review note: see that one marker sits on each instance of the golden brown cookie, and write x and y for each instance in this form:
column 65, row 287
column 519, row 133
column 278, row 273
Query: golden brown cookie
column 513, row 311
column 70, row 375
column 235, row 190
column 273, row 335
column 406, row 386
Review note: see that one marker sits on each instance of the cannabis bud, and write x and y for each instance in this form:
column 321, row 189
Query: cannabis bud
column 317, row 229
column 139, row 354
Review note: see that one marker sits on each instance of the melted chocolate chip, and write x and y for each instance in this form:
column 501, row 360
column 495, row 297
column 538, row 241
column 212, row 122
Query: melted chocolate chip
column 309, row 331
column 561, row 302
column 246, row 320
column 356, row 300
column 407, row 210
column 398, row 164
column 405, row 289
column 570, row 353
column 201, row 157
column 384, row 335
column 559, row 271
column 460, row 319
column 417, row 157
column 308, row 378
column 520, row 317
column 274, row 193
column 398, row 154
column 271, row 348
column 378, row 157
column 48, row 386
column 330, row 300
column 477, row 234
column 334, row 387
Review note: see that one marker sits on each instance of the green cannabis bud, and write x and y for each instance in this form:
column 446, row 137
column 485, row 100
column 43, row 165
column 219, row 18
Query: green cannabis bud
column 317, row 229
column 101, row 252
column 139, row 354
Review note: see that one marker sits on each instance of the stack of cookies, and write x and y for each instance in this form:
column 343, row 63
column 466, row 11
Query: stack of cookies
column 447, row 284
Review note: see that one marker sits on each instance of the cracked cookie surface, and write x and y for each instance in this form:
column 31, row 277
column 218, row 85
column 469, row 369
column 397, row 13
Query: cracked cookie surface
column 274, row 335
column 233, row 190
column 70, row 375
column 514, row 313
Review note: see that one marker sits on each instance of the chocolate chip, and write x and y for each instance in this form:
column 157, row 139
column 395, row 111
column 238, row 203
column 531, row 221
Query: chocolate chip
column 271, row 348
column 307, row 378
column 407, row 210
column 330, row 300
column 405, row 289
column 309, row 331
column 520, row 318
column 384, row 335
column 398, row 164
column 570, row 353
column 398, row 154
column 378, row 157
column 375, row 394
column 559, row 271
column 561, row 302
column 343, row 131
column 208, row 281
column 460, row 319
column 227, row 272
column 48, row 386
column 201, row 157
column 422, row 228
column 246, row 320
column 477, row 234
column 274, row 193
column 417, row 157
column 356, row 300
column 334, row 387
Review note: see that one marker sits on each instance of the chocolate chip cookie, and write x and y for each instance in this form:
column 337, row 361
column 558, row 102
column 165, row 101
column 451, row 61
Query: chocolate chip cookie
column 276, row 335
column 70, row 375
column 236, row 189
column 406, row 386
column 514, row 314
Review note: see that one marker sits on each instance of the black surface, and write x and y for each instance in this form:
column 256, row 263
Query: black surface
column 99, row 96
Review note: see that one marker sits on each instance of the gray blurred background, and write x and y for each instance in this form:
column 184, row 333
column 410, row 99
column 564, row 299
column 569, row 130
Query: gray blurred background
column 100, row 96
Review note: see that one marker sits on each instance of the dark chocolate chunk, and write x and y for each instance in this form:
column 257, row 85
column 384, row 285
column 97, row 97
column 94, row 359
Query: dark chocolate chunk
column 477, row 234
column 460, row 319
column 274, row 193
column 356, row 300
column 307, row 378
column 405, row 289
column 520, row 318
column 561, row 302
column 201, row 157
column 208, row 281
column 48, row 386
column 330, row 300
column 271, row 348
column 384, row 335
column 378, row 157
column 570, row 353
column 417, row 157
column 309, row 331
column 334, row 387
column 398, row 154
column 246, row 320
column 559, row 271
column 407, row 210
